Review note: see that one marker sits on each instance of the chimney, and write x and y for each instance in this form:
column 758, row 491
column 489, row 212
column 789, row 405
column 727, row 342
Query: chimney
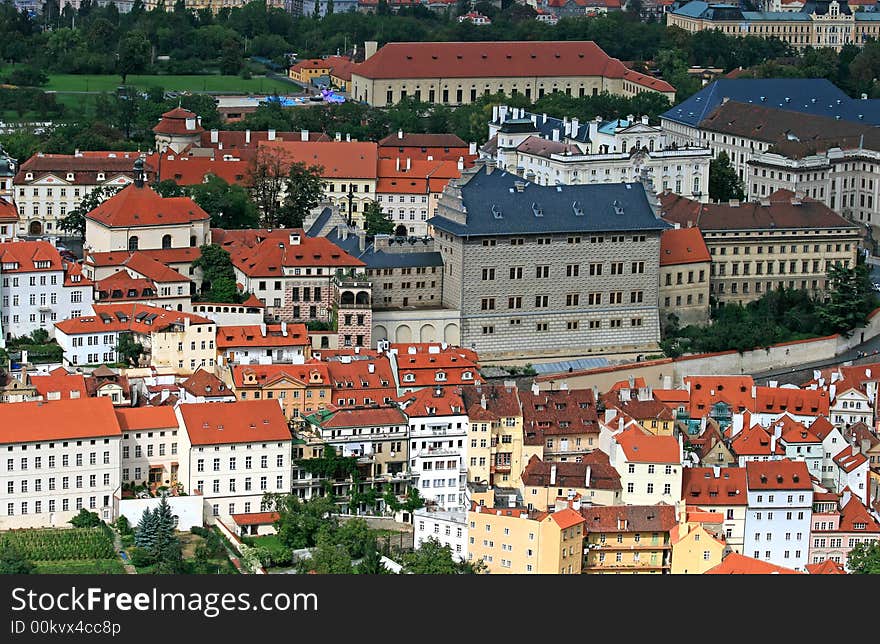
column 472, row 148
column 399, row 134
column 271, row 136
column 716, row 471
column 284, row 328
column 773, row 444
column 348, row 137
column 247, row 137
column 494, row 113
column 588, row 476
column 191, row 124
column 408, row 164
column 460, row 164
column 397, row 164
column 337, row 137
column 575, row 126
column 483, row 401
column 215, row 136
column 644, row 119
column 556, row 134
column 371, row 367
column 535, row 389
column 553, row 474
column 370, row 47
column 303, row 135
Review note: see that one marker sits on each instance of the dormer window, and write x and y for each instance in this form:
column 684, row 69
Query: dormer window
column 10, row 266
column 29, row 176
column 70, row 176
column 467, row 375
column 440, row 375
column 100, row 176
column 409, row 377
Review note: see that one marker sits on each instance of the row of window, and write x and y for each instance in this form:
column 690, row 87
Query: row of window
column 734, row 287
column 571, row 325
column 139, row 452
column 248, row 463
column 232, row 484
column 783, row 249
column 571, row 299
column 51, row 460
column 24, row 484
column 51, row 505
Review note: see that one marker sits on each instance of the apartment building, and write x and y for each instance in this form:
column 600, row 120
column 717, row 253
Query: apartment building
column 560, row 426
column 263, row 344
column 423, row 365
column 233, row 453
column 56, row 464
column 150, row 454
column 408, row 190
column 627, row 539
column 779, row 512
column 590, row 480
column 138, row 218
column 840, row 522
column 684, row 276
column 779, row 241
column 495, row 437
column 697, row 544
column 438, row 450
column 405, row 272
column 427, row 147
column 517, row 541
column 818, row 24
column 37, row 288
column 300, row 389
column 457, row 73
column 449, row 527
column 722, row 490
column 650, row 466
column 48, row 186
column 554, row 284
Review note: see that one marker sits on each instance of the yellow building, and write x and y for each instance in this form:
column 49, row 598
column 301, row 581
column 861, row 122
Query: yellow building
column 695, row 546
column 495, row 437
column 184, row 344
column 591, row 480
column 301, row 389
column 458, row 73
column 516, row 541
column 305, row 70
column 631, row 539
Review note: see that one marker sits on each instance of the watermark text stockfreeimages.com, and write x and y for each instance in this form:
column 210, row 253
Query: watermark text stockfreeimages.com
column 210, row 605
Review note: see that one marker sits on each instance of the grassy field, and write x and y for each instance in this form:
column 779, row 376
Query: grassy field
column 80, row 567
column 203, row 83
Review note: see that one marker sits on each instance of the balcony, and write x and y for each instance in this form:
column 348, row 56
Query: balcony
column 503, row 469
column 607, row 566
column 624, row 547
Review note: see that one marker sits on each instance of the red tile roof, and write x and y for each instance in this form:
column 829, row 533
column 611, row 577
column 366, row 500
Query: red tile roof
column 57, row 420
column 117, row 169
column 60, row 381
column 736, row 564
column 142, row 264
column 174, row 122
column 423, row 177
column 193, row 170
column 412, row 140
column 270, row 373
column 647, row 448
column 603, row 476
column 499, row 60
column 700, row 486
column 856, row 512
column 8, row 212
column 682, row 246
column 121, row 286
column 140, row 418
column 558, row 413
column 255, row 518
column 778, row 475
column 821, row 427
column 501, row 402
column 431, row 402
column 800, row 402
column 794, row 432
column 567, row 518
column 628, row 518
column 206, row 384
column 25, row 255
column 416, row 348
column 353, row 380
column 672, row 397
column 246, row 421
column 133, row 207
column 705, row 391
column 244, row 142
column 849, row 459
column 339, row 159
column 362, row 417
column 827, row 567
column 755, row 441
column 253, row 335
column 129, row 313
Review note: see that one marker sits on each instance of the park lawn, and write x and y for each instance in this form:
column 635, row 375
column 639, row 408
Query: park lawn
column 80, row 567
column 198, row 83
column 269, row 541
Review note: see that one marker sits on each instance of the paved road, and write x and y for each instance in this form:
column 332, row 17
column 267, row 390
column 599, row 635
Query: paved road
column 803, row 373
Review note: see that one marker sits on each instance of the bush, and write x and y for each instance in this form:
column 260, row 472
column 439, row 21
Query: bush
column 27, row 76
column 140, row 557
column 123, row 526
column 85, row 519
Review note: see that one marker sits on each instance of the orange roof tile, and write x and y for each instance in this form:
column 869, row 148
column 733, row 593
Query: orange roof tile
column 647, row 448
column 778, row 475
column 849, row 458
column 363, row 417
column 700, row 486
column 57, row 420
column 705, row 391
column 136, row 317
column 755, row 441
column 827, row 567
column 855, row 512
column 339, row 159
column 628, row 518
column 255, row 518
column 431, row 402
column 60, row 381
column 8, row 212
column 121, row 286
column 603, row 476
column 139, row 418
column 22, row 256
column 736, row 564
column 193, row 170
column 206, row 384
column 271, row 373
column 567, row 518
column 801, row 402
column 558, row 413
column 174, row 122
column 296, row 335
column 132, row 207
column 682, row 246
column 245, row 421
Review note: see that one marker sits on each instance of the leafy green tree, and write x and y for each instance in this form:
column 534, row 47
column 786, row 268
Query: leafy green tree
column 724, row 183
column 218, row 275
column 371, row 563
column 376, row 221
column 304, row 190
column 27, row 76
column 123, row 526
column 85, row 519
column 435, row 558
column 267, row 176
column 74, row 222
column 169, row 188
column 300, row 522
column 129, row 350
column 39, row 336
column 231, row 59
column 12, row 562
column 851, row 298
column 864, row 558
column 328, row 558
column 133, row 54
column 354, row 535
column 230, row 206
column 414, row 499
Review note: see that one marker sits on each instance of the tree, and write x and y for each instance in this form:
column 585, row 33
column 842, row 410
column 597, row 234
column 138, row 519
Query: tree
column 371, row 564
column 129, row 350
column 218, row 275
column 300, row 522
column 230, row 60
column 39, row 336
column 12, row 562
column 169, row 188
column 267, row 175
column 377, row 222
column 230, row 206
column 75, row 220
column 304, row 190
column 724, row 183
column 851, row 298
column 328, row 558
column 85, row 519
column 133, row 54
column 435, row 558
column 864, row 558
column 27, row 76
column 354, row 535
column 145, row 532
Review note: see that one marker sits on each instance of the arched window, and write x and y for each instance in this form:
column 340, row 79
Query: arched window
column 133, row 243
column 166, row 241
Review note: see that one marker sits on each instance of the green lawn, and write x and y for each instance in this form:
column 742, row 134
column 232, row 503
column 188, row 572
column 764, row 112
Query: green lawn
column 80, row 567
column 203, row 83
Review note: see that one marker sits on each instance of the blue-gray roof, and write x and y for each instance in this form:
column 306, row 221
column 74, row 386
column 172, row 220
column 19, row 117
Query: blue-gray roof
column 692, row 9
column 777, row 16
column 381, row 259
column 545, row 127
column 610, row 127
column 495, row 207
column 319, row 223
column 816, row 96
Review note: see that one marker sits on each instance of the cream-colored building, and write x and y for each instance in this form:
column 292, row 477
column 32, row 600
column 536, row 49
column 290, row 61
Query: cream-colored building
column 696, row 544
column 458, row 73
column 684, row 276
column 780, row 241
column 495, row 439
column 150, row 443
column 832, row 25
column 650, row 466
column 628, row 539
column 184, row 344
column 592, row 480
column 516, row 541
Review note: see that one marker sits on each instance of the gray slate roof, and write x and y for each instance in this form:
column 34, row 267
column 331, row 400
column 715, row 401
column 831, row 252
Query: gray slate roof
column 556, row 205
column 381, row 259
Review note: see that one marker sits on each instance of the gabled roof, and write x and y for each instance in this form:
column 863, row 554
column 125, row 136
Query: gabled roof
column 855, row 512
column 60, row 381
column 640, row 447
column 778, row 475
column 431, row 402
column 338, row 159
column 794, row 432
column 849, row 459
column 139, row 262
column 359, row 417
column 501, row 402
column 558, row 413
column 628, row 518
column 8, row 212
column 827, row 567
column 136, row 317
column 821, row 427
column 85, row 168
column 135, row 206
column 57, row 420
column 799, row 402
column 737, row 564
column 682, row 246
column 700, row 486
column 566, row 518
column 499, row 60
column 268, row 335
column 755, row 441
column 244, row 421
column 706, row 391
column 203, row 383
column 413, row 140
column 121, row 287
column 26, row 254
column 255, row 518
column 269, row 374
column 572, row 475
column 140, row 418
column 194, row 170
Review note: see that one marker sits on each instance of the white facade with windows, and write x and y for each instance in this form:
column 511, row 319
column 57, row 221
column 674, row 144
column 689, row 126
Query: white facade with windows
column 850, row 407
column 408, row 210
column 448, row 527
column 88, row 348
column 150, row 456
column 438, row 459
